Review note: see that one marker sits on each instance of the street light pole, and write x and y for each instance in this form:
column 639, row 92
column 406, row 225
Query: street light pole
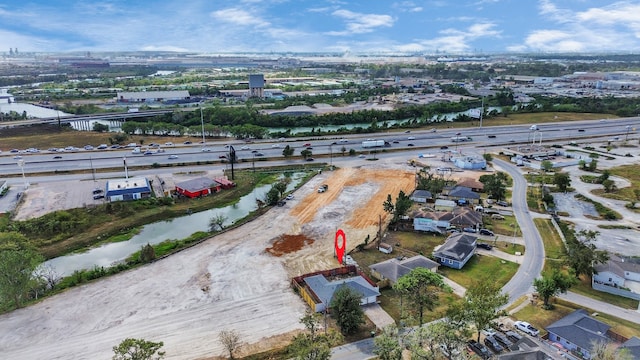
column 627, row 136
column 481, row 111
column 24, row 179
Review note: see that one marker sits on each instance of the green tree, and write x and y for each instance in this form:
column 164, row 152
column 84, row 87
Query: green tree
column 609, row 351
column 97, row 127
column 400, row 208
column 551, row 284
column 216, row 223
column 546, row 165
column 17, row 265
column 306, row 153
column 421, row 287
column 147, row 253
column 582, row 254
column 386, row 345
column 345, row 308
column 487, row 157
column 562, row 181
column 609, row 185
column 138, row 349
column 482, row 304
column 287, row 151
column 313, row 345
column 447, row 335
column 494, row 185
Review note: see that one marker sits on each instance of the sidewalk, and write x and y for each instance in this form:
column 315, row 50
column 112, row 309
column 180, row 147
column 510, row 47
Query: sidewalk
column 603, row 307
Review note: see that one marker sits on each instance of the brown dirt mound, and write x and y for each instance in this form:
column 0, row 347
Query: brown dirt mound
column 286, row 244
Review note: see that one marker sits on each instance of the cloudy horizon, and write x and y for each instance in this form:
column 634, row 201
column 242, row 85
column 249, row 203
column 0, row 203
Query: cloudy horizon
column 336, row 26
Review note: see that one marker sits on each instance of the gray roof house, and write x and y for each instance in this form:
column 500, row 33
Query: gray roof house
column 633, row 347
column 393, row 269
column 618, row 273
column 325, row 289
column 459, row 193
column 456, row 251
column 421, row 196
column 578, row 331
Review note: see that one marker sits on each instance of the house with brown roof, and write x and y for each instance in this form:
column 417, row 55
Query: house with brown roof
column 472, row 184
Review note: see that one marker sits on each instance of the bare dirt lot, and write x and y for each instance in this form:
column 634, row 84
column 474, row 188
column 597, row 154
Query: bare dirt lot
column 238, row 280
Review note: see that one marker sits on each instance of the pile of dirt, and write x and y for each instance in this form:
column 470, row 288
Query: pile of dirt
column 286, row 244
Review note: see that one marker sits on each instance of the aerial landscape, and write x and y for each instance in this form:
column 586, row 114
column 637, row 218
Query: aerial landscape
column 339, row 180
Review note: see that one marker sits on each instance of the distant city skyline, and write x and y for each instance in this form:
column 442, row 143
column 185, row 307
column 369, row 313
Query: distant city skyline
column 336, row 26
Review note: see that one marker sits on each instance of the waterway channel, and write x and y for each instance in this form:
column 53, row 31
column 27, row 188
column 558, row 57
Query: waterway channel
column 174, row 229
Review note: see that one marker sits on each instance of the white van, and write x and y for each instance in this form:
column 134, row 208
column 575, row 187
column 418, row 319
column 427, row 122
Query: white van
column 136, row 150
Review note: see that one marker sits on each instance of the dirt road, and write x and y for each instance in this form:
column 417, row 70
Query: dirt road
column 235, row 281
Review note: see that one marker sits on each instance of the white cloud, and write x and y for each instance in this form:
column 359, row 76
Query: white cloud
column 239, row 17
column 358, row 23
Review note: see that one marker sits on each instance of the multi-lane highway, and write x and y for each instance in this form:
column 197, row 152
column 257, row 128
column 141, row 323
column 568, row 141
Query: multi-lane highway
column 580, row 131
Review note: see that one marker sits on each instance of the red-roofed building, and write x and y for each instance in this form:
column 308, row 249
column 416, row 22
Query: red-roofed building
column 225, row 183
column 198, row 187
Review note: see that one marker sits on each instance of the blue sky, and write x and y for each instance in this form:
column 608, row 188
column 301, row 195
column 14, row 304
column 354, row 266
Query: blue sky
column 357, row 26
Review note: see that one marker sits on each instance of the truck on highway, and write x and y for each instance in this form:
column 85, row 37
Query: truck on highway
column 374, row 143
column 460, row 138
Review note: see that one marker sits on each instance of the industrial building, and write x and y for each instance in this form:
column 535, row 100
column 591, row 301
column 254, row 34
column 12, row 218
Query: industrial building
column 128, row 189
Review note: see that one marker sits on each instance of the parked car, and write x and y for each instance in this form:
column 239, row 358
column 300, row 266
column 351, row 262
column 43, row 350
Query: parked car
column 486, row 232
column 513, row 336
column 97, row 191
column 503, row 340
column 470, row 230
column 497, row 217
column 526, row 328
column 502, row 203
column 98, row 196
column 493, row 344
column 289, row 197
column 281, row 203
column 484, row 246
column 488, row 331
column 479, row 349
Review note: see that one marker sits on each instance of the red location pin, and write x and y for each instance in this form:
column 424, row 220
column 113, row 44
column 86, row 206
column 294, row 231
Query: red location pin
column 339, row 247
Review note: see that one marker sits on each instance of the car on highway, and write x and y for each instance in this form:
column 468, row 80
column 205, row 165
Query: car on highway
column 580, row 130
column 148, row 152
column 172, row 157
column 17, row 157
column 396, row 142
column 491, row 136
column 245, row 148
column 102, row 146
column 275, row 145
column 206, row 149
column 411, row 138
column 307, row 145
column 526, row 328
column 187, row 142
column 409, row 144
column 88, row 147
column 444, row 147
column 361, row 156
column 343, row 140
column 222, row 157
column 309, row 159
column 259, row 154
column 57, row 157
column 169, row 143
column 254, row 151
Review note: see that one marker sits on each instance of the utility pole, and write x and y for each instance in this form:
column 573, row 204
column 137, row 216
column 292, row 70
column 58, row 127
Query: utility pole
column 481, row 111
column 93, row 170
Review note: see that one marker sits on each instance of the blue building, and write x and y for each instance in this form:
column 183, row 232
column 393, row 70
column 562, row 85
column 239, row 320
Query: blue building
column 128, row 189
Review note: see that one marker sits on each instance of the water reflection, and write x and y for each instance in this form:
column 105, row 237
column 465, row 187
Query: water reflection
column 177, row 228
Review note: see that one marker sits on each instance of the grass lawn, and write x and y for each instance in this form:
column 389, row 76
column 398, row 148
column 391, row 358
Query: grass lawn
column 583, row 287
column 480, row 267
column 542, row 318
column 629, row 172
column 553, row 245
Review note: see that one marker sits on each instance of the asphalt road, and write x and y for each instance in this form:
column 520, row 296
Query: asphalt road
column 533, row 260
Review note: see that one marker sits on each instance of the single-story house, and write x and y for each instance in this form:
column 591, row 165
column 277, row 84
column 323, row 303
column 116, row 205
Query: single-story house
column 444, row 205
column 421, row 196
column 578, row 331
column 201, row 186
column 471, row 183
column 619, row 274
column 463, row 195
column 318, row 291
column 393, row 269
column 128, row 189
column 429, row 225
column 633, row 347
column 456, row 251
column 465, row 217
